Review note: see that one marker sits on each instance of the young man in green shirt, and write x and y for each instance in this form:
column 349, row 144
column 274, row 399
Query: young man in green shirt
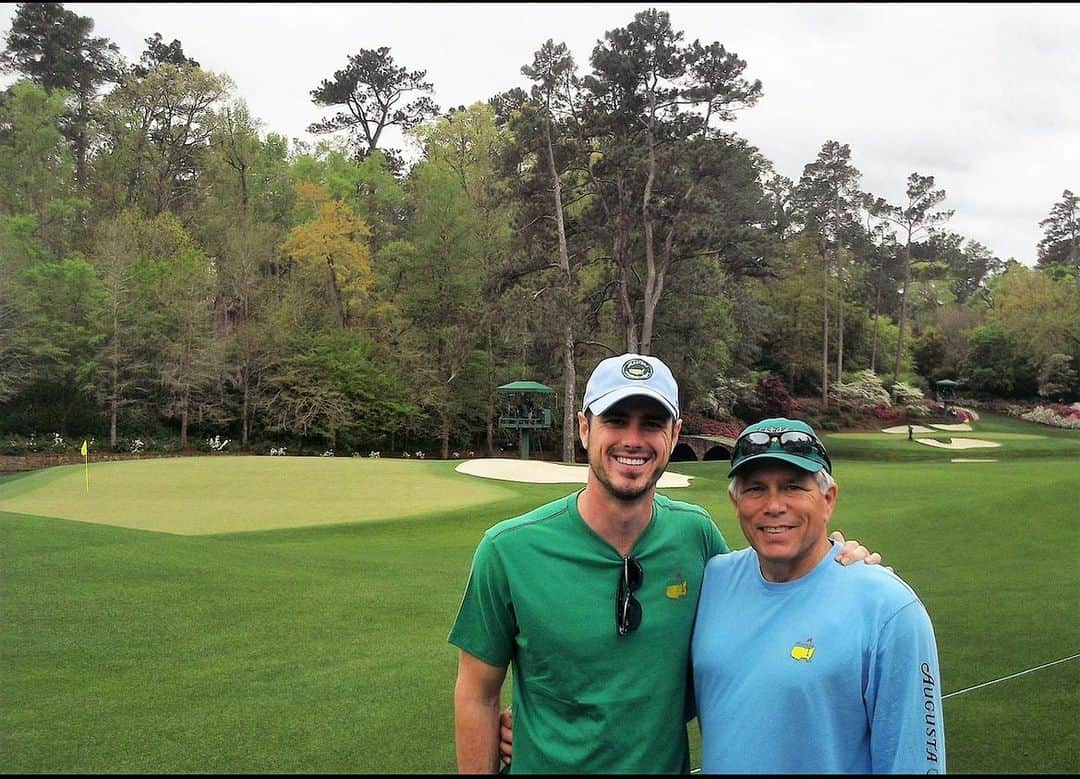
column 591, row 598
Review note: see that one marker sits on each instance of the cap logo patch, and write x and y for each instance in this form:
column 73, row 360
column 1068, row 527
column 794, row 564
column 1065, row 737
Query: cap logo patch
column 637, row 369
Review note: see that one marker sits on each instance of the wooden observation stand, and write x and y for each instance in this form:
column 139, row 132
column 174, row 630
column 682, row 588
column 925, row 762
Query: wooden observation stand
column 526, row 409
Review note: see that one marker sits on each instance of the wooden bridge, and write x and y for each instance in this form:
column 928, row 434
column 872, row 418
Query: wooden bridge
column 702, row 447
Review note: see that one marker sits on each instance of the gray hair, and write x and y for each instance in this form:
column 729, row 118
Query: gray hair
column 824, row 480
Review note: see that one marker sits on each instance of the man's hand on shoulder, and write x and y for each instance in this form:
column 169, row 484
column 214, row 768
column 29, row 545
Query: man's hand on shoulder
column 852, row 551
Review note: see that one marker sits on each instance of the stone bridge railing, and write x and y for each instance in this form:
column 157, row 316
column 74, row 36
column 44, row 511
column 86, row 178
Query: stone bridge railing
column 703, row 447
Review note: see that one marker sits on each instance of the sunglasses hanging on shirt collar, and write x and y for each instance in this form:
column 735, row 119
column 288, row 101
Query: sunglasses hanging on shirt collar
column 627, row 607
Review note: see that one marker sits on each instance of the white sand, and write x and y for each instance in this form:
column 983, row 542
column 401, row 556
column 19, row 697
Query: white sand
column 960, row 443
column 540, row 472
column 903, row 429
column 962, row 427
column 970, row 460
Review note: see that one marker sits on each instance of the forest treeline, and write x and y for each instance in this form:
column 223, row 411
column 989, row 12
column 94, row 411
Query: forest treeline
column 170, row 267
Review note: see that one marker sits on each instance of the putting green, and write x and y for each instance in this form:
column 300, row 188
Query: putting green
column 202, row 495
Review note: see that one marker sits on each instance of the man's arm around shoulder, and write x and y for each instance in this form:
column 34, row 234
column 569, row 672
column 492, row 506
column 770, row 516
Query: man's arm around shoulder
column 476, row 715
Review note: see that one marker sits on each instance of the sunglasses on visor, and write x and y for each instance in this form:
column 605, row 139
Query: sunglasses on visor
column 790, row 441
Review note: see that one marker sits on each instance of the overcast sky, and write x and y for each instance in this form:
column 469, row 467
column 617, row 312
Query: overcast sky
column 985, row 98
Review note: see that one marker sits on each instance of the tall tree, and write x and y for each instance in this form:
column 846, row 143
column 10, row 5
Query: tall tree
column 158, row 137
column 792, row 311
column 36, row 167
column 20, row 250
column 827, row 200
column 138, row 262
column 55, row 48
column 244, row 287
column 653, row 102
column 16, row 238
column 437, row 285
column 915, row 218
column 881, row 243
column 1060, row 244
column 469, row 143
column 368, row 186
column 555, row 91
column 333, row 246
column 235, row 139
column 779, row 194
column 374, row 92
column 191, row 359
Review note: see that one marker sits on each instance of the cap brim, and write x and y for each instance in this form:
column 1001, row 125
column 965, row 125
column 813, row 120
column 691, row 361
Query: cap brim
column 604, row 402
column 812, row 466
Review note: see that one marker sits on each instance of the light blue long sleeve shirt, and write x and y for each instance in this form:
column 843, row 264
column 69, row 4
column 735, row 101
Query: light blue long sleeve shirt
column 834, row 672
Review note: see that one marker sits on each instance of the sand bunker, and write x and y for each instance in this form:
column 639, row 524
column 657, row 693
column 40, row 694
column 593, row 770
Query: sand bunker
column 960, row 443
column 903, row 429
column 970, row 460
column 539, row 472
column 962, row 427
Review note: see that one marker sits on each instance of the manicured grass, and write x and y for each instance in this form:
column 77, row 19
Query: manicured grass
column 323, row 649
column 1017, row 439
column 293, row 651
column 197, row 495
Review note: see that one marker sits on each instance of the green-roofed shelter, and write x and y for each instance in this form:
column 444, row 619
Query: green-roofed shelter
column 945, row 389
column 525, row 411
column 525, row 386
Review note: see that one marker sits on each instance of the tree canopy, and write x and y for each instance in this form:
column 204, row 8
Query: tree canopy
column 172, row 269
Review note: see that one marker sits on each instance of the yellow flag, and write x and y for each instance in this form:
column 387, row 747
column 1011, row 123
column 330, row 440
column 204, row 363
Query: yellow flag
column 86, row 464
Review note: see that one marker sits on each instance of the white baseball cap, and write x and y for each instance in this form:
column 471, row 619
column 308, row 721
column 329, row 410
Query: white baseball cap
column 622, row 377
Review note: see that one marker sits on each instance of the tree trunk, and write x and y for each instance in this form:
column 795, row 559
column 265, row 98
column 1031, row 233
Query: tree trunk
column 246, row 412
column 184, row 416
column 654, row 290
column 626, row 307
column 569, row 398
column 80, row 160
column 243, row 188
column 492, row 408
column 339, row 304
column 650, row 251
column 840, row 294
column 840, row 326
column 445, row 434
column 569, row 370
column 903, row 312
column 114, row 400
column 114, row 404
column 877, row 316
column 825, row 333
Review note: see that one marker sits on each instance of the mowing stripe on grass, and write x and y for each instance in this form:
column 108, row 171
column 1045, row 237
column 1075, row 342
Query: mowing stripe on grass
column 1011, row 676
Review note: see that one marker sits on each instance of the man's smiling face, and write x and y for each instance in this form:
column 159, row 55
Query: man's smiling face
column 783, row 515
column 629, row 445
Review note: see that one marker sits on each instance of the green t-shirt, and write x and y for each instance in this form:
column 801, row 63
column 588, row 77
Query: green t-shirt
column 541, row 595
